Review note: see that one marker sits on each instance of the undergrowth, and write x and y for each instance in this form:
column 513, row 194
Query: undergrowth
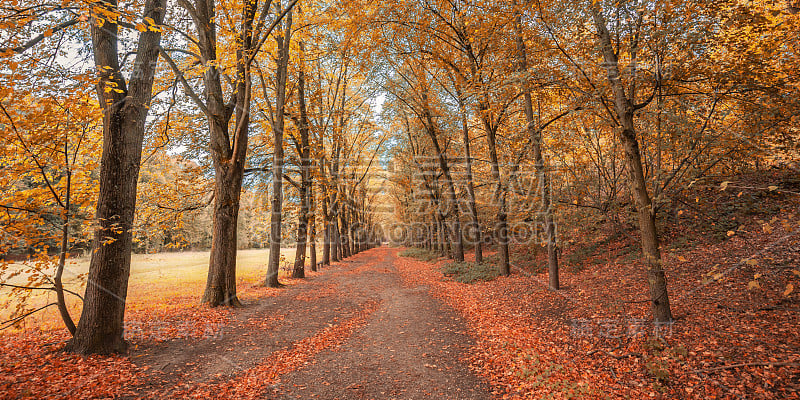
column 470, row 272
column 419, row 254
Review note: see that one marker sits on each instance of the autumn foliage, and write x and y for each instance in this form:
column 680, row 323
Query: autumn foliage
column 606, row 192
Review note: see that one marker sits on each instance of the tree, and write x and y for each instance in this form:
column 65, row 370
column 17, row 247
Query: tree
column 48, row 186
column 283, row 41
column 126, row 103
column 625, row 108
column 542, row 176
column 303, row 149
column 228, row 149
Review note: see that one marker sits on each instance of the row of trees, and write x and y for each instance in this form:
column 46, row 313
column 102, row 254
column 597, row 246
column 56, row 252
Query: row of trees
column 568, row 106
column 233, row 86
column 502, row 114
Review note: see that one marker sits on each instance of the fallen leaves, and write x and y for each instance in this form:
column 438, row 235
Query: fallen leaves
column 254, row 383
column 32, row 366
column 728, row 342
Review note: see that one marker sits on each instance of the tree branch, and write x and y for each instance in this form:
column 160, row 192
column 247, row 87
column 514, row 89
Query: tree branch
column 49, row 32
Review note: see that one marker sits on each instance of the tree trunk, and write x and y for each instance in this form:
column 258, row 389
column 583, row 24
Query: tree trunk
column 276, row 216
column 656, row 278
column 313, row 222
column 61, row 301
column 228, row 158
column 473, row 208
column 625, row 109
column 298, row 270
column 454, row 230
column 501, row 227
column 304, row 151
column 542, row 177
column 100, row 328
column 326, row 244
column 336, row 247
column 221, row 282
column 343, row 235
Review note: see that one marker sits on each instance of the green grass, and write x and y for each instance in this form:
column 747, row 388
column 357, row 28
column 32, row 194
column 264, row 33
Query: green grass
column 470, row 272
column 419, row 254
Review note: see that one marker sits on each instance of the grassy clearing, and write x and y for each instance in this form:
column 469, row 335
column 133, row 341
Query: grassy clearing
column 419, row 254
column 470, row 272
column 155, row 280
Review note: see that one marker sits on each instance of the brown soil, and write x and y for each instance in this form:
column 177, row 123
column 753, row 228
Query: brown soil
column 411, row 347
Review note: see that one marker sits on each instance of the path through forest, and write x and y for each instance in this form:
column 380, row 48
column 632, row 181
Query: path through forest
column 353, row 331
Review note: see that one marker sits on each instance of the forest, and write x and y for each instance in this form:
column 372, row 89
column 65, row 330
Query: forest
column 462, row 199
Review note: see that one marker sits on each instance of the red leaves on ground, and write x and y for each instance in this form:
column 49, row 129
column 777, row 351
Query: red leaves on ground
column 253, row 383
column 594, row 339
column 29, row 368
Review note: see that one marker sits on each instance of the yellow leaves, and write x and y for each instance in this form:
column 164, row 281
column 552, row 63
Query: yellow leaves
column 151, row 25
column 712, row 275
column 789, row 290
column 105, row 13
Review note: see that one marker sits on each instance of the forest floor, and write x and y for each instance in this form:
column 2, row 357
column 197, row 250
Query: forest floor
column 382, row 326
column 354, row 330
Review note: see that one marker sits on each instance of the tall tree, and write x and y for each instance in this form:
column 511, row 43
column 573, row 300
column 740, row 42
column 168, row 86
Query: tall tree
column 227, row 144
column 283, row 41
column 303, row 149
column 542, row 176
column 625, row 109
column 126, row 104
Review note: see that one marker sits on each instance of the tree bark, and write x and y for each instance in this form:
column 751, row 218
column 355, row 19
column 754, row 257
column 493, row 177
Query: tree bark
column 625, row 109
column 326, row 244
column 305, row 178
column 283, row 41
column 344, row 240
column 221, row 281
column 336, row 244
column 473, row 208
column 313, row 228
column 100, row 328
column 542, row 177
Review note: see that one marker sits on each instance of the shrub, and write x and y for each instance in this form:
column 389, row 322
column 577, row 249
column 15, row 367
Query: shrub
column 470, row 272
column 419, row 254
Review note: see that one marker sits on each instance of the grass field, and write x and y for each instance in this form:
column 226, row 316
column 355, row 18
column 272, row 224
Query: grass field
column 161, row 278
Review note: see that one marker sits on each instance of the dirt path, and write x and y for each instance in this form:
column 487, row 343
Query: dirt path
column 351, row 332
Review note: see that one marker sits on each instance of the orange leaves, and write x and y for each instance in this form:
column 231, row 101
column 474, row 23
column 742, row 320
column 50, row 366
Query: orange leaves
column 253, row 383
column 31, row 369
column 533, row 343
